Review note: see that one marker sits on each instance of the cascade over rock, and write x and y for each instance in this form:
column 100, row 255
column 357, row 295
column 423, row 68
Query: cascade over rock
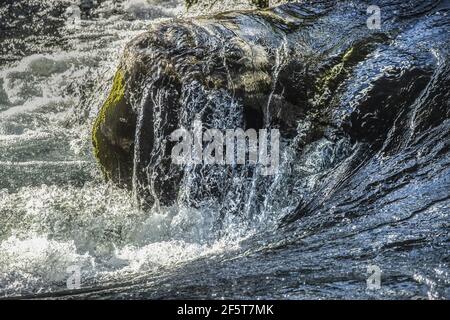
column 313, row 70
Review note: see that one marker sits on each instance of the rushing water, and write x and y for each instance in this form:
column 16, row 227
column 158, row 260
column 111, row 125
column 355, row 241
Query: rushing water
column 261, row 238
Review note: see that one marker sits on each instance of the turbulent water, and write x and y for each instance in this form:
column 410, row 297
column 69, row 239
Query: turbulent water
column 263, row 238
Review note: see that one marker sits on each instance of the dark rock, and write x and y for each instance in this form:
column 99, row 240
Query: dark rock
column 315, row 63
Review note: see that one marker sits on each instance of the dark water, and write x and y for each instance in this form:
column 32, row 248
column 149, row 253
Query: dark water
column 374, row 194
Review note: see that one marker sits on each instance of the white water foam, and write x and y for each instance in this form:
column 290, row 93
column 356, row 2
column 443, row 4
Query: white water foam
column 46, row 228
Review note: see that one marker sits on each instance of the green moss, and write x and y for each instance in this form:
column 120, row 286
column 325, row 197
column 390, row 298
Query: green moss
column 348, row 55
column 330, row 80
column 330, row 77
column 115, row 96
column 113, row 126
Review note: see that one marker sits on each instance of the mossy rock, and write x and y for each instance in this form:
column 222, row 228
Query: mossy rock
column 113, row 134
column 284, row 67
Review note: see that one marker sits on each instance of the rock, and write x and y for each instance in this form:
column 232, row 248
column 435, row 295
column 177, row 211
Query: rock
column 113, row 133
column 315, row 63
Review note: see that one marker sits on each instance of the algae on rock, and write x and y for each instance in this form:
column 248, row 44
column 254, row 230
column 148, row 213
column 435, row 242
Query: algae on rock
column 113, row 133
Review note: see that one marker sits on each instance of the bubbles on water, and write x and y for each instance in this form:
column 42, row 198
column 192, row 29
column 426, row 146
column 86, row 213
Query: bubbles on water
column 98, row 227
column 32, row 264
column 55, row 209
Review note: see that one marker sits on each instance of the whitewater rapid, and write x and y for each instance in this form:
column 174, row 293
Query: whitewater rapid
column 57, row 212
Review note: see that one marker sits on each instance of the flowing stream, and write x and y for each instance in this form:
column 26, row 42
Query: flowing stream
column 238, row 235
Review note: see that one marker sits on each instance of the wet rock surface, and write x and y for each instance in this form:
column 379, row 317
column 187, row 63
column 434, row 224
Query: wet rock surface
column 286, row 68
column 364, row 172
